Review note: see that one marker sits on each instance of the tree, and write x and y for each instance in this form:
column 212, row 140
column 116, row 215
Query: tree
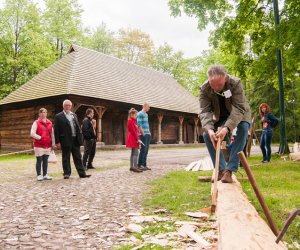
column 23, row 49
column 63, row 24
column 101, row 40
column 245, row 35
column 134, row 46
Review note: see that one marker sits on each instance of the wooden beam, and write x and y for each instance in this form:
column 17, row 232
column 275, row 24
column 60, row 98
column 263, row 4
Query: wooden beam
column 240, row 226
column 181, row 119
column 160, row 117
column 196, row 121
column 76, row 107
column 100, row 110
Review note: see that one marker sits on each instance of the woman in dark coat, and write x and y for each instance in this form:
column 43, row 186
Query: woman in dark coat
column 133, row 141
column 268, row 121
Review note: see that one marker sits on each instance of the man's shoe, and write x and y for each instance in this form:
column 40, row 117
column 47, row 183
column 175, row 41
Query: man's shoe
column 227, row 176
column 146, row 168
column 90, row 167
column 39, row 178
column 85, row 176
column 47, row 177
column 221, row 172
column 138, row 170
column 66, row 176
column 265, row 161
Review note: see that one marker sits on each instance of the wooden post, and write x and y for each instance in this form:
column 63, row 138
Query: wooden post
column 258, row 194
column 160, row 116
column 100, row 111
column 196, row 121
column 76, row 107
column 181, row 118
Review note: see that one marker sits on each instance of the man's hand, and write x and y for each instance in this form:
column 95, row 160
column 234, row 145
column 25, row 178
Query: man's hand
column 212, row 137
column 94, row 123
column 222, row 133
column 58, row 146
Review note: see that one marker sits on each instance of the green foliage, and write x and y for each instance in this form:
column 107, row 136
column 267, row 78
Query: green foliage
column 63, row 24
column 134, row 46
column 101, row 39
column 245, row 41
column 24, row 51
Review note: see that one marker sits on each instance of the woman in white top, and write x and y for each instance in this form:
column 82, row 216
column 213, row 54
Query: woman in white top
column 43, row 135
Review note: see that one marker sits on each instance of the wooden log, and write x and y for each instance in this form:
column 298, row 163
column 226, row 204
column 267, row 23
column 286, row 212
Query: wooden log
column 240, row 226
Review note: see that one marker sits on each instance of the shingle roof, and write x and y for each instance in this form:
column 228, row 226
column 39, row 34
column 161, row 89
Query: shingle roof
column 85, row 72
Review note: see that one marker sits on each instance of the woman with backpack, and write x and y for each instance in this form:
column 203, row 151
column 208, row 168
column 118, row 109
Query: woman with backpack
column 269, row 122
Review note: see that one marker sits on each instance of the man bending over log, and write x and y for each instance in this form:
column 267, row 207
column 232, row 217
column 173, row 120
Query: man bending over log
column 223, row 105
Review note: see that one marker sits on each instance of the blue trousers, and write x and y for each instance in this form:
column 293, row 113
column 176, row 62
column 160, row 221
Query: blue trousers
column 265, row 145
column 144, row 150
column 238, row 145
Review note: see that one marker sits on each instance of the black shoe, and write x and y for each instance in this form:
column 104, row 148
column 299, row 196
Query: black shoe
column 85, row 176
column 138, row 170
column 66, row 176
column 91, row 167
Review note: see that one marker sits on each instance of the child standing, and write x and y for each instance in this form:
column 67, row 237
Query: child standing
column 133, row 141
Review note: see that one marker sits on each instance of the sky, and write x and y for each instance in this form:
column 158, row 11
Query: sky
column 150, row 16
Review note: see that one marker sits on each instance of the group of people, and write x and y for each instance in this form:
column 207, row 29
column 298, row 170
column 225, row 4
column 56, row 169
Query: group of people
column 223, row 108
column 138, row 137
column 66, row 134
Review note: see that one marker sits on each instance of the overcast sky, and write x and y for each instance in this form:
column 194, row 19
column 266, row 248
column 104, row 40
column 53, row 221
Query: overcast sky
column 150, row 16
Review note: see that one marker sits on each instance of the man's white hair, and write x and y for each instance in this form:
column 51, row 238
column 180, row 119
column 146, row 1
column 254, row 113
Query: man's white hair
column 65, row 102
column 216, row 70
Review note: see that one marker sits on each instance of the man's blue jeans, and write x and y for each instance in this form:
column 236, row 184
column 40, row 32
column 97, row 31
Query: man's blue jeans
column 265, row 145
column 144, row 150
column 238, row 145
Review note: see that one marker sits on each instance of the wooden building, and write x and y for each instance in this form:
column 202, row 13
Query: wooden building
column 109, row 85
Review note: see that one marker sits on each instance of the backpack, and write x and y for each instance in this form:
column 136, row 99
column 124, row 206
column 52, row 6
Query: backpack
column 274, row 121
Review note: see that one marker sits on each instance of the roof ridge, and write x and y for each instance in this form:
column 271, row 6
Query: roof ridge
column 71, row 75
column 73, row 49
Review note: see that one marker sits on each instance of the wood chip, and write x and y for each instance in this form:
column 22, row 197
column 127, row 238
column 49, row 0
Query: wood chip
column 85, row 217
column 199, row 215
column 134, row 228
column 192, row 223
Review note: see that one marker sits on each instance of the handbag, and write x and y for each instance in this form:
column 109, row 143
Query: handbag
column 52, row 157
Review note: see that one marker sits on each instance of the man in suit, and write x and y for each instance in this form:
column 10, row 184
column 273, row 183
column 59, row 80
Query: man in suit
column 68, row 138
column 89, row 135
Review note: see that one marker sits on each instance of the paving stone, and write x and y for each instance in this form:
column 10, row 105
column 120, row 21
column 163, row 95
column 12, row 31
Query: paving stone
column 47, row 214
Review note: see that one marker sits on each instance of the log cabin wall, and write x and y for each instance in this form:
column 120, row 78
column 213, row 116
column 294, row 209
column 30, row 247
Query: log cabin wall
column 170, row 130
column 16, row 124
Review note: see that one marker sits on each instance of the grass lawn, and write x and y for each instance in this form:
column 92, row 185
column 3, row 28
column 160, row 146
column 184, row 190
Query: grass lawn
column 16, row 157
column 279, row 182
column 179, row 192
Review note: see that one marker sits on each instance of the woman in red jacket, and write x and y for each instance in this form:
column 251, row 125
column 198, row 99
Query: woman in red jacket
column 43, row 135
column 133, row 141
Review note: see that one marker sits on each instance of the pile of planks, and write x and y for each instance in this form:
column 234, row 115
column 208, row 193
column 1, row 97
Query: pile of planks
column 204, row 164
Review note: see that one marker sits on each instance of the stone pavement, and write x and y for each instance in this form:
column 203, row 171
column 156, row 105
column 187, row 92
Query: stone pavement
column 78, row 213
